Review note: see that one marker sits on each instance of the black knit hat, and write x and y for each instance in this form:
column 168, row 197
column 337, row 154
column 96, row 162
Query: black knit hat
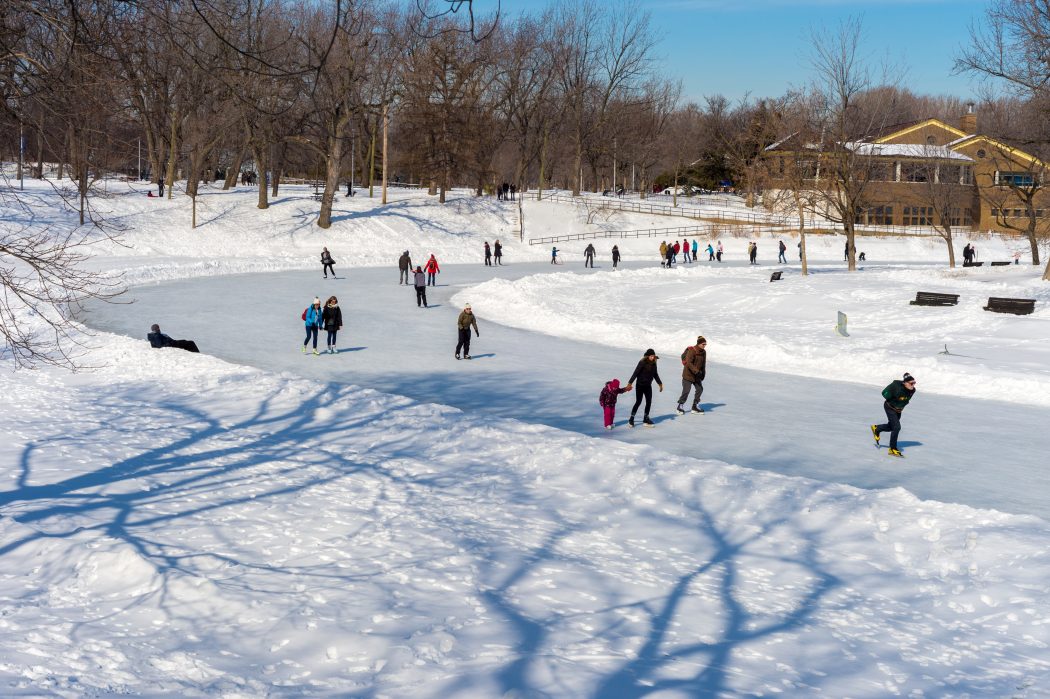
column 907, row 377
column 650, row 353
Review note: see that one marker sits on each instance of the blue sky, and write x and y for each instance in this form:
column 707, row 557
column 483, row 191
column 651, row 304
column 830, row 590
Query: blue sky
column 735, row 47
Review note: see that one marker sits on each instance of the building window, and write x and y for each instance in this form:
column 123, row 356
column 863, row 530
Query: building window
column 981, row 153
column 1015, row 179
column 949, row 174
column 883, row 172
column 967, row 175
column 915, row 172
column 961, row 217
column 918, row 216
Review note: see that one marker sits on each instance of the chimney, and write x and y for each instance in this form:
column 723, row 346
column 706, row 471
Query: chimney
column 968, row 121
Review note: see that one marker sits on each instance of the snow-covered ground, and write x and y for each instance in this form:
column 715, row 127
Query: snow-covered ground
column 179, row 525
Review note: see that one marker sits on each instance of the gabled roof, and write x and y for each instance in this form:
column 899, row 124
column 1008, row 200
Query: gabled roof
column 905, row 129
column 908, row 150
column 974, row 138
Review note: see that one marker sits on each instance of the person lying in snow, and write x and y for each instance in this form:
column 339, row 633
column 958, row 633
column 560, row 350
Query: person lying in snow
column 157, row 339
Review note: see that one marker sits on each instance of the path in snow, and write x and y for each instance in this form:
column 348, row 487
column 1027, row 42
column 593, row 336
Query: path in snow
column 981, row 453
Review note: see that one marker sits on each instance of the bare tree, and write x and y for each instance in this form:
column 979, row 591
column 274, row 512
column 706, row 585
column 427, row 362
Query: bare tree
column 1016, row 192
column 847, row 164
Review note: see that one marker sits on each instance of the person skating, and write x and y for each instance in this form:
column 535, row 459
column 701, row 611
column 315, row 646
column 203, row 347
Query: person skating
column 670, row 257
column 158, row 340
column 327, row 262
column 663, row 252
column 312, row 317
column 676, row 248
column 897, row 395
column 783, row 249
column 404, row 263
column 488, row 254
column 710, row 252
column 420, row 280
column 752, row 251
column 554, row 256
column 967, row 256
column 465, row 321
column 696, row 246
column 498, row 251
column 588, row 256
column 432, row 269
column 332, row 320
column 694, row 370
column 615, row 256
column 718, row 254
column 645, row 374
column 607, row 399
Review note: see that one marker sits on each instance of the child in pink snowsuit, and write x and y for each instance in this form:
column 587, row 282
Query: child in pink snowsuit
column 607, row 400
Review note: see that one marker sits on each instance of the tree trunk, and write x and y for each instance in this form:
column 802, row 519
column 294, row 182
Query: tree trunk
column 951, row 246
column 278, row 165
column 433, row 188
column 543, row 166
column 802, row 233
column 172, row 153
column 260, row 164
column 851, row 237
column 577, row 170
column 371, row 165
column 40, row 152
column 1033, row 242
column 331, row 181
column 233, row 175
column 386, row 124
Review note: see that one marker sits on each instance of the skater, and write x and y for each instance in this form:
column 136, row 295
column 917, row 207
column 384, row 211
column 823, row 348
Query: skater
column 845, row 255
column 554, row 256
column 466, row 319
column 312, row 316
column 897, row 396
column 800, row 250
column 973, row 252
column 158, row 340
column 862, row 257
column 607, row 399
column 488, row 254
column 783, row 249
column 327, row 263
column 696, row 246
column 752, row 251
column 332, row 320
column 645, row 373
column 710, row 253
column 677, row 248
column 588, row 256
column 616, row 256
column 420, row 280
column 967, row 255
column 498, row 250
column 718, row 255
column 670, row 256
column 663, row 252
column 432, row 270
column 694, row 370
column 404, row 264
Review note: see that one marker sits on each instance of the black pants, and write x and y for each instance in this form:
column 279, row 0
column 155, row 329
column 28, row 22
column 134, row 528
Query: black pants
column 643, row 391
column 421, row 296
column 331, row 337
column 893, row 425
column 464, row 342
column 686, row 387
column 402, row 278
column 328, row 268
column 499, row 259
column 430, row 279
column 589, row 261
column 188, row 345
column 488, row 260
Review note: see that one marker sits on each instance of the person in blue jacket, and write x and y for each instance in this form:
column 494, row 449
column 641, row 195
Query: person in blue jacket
column 312, row 316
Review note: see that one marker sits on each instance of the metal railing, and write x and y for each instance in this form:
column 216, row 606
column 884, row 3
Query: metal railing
column 671, row 233
column 639, row 207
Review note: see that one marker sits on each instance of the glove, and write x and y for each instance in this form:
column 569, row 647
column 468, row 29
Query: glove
column 661, row 388
column 477, row 334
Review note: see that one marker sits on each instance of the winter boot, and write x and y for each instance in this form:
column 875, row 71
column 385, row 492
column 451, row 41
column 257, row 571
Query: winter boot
column 698, row 410
column 875, row 433
column 647, row 422
column 304, row 349
column 680, row 409
column 457, row 355
column 316, row 353
column 630, row 421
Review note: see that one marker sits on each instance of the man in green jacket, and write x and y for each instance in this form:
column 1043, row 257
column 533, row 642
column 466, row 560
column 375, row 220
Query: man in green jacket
column 897, row 396
column 466, row 319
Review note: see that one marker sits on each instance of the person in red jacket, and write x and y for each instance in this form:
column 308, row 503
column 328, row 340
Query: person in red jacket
column 677, row 249
column 431, row 269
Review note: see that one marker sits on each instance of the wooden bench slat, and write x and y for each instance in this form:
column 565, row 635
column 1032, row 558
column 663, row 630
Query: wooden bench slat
column 1020, row 307
column 929, row 298
column 1000, row 264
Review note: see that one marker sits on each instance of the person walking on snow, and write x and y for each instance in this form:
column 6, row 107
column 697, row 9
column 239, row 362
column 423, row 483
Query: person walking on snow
column 432, row 269
column 677, row 248
column 645, row 374
column 420, row 281
column 694, row 369
column 588, row 256
column 718, row 255
column 312, row 317
column 898, row 394
column 404, row 263
column 332, row 320
column 710, row 253
column 607, row 399
column 327, row 262
column 663, row 252
column 616, row 256
column 465, row 321
column 753, row 253
column 783, row 249
column 696, row 246
column 670, row 256
column 498, row 250
column 488, row 254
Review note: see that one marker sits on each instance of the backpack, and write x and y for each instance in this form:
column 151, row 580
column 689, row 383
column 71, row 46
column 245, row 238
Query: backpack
column 684, row 353
column 304, row 312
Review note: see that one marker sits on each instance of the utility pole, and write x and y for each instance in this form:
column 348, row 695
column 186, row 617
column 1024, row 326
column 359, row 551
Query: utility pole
column 386, row 121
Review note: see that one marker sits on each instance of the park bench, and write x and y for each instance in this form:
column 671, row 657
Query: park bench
column 972, row 264
column 928, row 298
column 775, row 276
column 1019, row 307
column 1000, row 264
